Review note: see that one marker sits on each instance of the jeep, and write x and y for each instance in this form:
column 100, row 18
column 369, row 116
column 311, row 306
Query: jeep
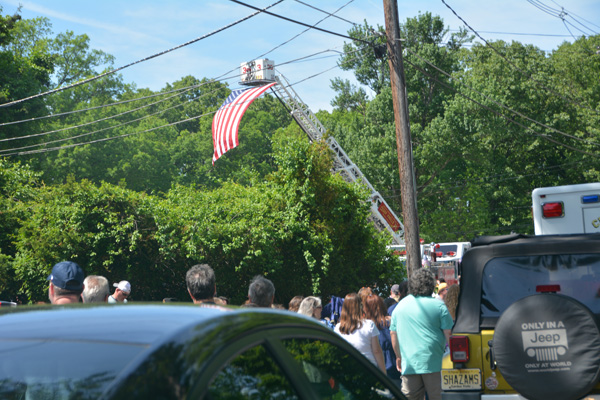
column 526, row 324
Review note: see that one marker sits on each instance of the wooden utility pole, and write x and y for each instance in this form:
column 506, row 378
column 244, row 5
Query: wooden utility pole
column 403, row 140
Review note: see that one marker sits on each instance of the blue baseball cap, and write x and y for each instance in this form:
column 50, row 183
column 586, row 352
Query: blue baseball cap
column 67, row 275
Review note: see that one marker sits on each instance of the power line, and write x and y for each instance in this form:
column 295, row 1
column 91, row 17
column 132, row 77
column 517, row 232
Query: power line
column 302, row 23
column 139, row 61
column 106, row 128
column 136, row 109
column 304, row 31
column 109, row 138
column 502, row 105
column 528, row 76
column 502, row 115
column 571, row 13
column 182, row 90
column 518, row 33
column 98, row 120
column 116, row 103
column 329, row 14
column 561, row 14
column 129, row 134
column 159, row 94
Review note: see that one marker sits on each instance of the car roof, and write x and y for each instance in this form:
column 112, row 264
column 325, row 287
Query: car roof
column 486, row 248
column 136, row 324
column 203, row 336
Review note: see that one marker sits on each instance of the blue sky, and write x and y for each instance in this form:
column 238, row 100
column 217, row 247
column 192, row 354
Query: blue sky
column 132, row 30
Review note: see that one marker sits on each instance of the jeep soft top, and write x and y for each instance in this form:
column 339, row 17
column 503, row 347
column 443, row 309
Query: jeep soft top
column 528, row 308
column 521, row 266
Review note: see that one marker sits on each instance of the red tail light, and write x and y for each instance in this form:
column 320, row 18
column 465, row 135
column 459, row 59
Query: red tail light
column 439, row 254
column 547, row 288
column 451, row 253
column 553, row 210
column 459, row 349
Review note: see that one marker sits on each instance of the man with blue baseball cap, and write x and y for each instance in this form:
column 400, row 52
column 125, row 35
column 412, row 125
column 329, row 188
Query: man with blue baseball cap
column 66, row 283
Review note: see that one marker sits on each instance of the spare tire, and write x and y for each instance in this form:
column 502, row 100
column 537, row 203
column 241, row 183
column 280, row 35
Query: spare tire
column 547, row 346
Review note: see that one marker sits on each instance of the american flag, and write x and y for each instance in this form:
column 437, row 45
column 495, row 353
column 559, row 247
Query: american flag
column 227, row 119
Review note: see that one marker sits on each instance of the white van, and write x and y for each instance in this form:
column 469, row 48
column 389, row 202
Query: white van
column 566, row 209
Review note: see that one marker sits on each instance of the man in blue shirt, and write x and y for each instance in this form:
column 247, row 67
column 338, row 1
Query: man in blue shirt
column 420, row 329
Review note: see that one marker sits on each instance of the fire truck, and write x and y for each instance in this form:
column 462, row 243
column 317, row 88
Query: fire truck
column 261, row 72
column 566, row 209
column 446, row 259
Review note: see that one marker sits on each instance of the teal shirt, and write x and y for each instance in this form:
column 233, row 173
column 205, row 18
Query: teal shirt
column 419, row 323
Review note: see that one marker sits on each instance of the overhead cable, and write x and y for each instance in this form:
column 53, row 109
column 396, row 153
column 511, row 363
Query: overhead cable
column 109, row 138
column 46, row 150
column 517, row 68
column 304, row 31
column 302, row 23
column 329, row 14
column 139, row 61
column 561, row 14
column 116, row 103
column 572, row 13
column 517, row 33
column 501, row 115
column 158, row 94
column 502, row 105
column 99, row 130
column 90, row 122
column 181, row 90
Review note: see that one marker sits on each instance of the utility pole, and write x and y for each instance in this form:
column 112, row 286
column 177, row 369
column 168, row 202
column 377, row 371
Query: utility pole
column 403, row 140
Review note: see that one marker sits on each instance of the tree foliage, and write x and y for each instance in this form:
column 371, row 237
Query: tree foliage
column 488, row 125
column 303, row 223
column 122, row 179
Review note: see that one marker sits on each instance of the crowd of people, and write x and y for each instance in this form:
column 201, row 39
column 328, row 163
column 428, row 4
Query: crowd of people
column 404, row 335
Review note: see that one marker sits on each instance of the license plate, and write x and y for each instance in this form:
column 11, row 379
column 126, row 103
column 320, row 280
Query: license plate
column 461, row 379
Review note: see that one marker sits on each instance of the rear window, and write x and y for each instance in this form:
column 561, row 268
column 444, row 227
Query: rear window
column 447, row 250
column 39, row 369
column 508, row 279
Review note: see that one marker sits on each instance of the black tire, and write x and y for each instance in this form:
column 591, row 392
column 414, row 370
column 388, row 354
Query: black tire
column 547, row 346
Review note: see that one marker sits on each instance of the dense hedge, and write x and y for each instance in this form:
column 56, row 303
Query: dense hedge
column 304, row 228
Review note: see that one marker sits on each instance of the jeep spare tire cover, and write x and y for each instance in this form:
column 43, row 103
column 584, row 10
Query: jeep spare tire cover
column 547, row 346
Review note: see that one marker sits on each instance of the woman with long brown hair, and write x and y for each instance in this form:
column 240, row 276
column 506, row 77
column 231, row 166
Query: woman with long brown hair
column 359, row 331
column 376, row 311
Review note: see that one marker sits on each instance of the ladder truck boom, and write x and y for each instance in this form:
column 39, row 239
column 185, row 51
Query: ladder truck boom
column 381, row 214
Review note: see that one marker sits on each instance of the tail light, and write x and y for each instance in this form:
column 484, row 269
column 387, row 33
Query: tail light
column 459, row 349
column 547, row 288
column 439, row 254
column 553, row 210
column 451, row 253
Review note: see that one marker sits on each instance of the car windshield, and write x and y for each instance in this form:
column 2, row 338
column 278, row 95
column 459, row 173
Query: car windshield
column 60, row 370
column 508, row 279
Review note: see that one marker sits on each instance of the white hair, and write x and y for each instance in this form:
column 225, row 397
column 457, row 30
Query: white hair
column 308, row 305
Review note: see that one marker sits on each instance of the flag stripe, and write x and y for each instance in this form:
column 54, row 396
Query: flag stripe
column 226, row 121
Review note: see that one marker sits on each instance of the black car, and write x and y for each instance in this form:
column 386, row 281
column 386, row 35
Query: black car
column 178, row 352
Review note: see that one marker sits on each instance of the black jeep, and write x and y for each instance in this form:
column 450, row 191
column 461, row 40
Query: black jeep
column 527, row 320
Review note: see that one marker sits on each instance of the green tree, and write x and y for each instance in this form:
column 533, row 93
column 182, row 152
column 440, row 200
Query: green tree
column 106, row 229
column 26, row 67
column 74, row 59
column 370, row 139
column 18, row 184
column 489, row 163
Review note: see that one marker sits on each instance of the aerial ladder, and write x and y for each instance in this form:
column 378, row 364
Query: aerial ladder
column 262, row 71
